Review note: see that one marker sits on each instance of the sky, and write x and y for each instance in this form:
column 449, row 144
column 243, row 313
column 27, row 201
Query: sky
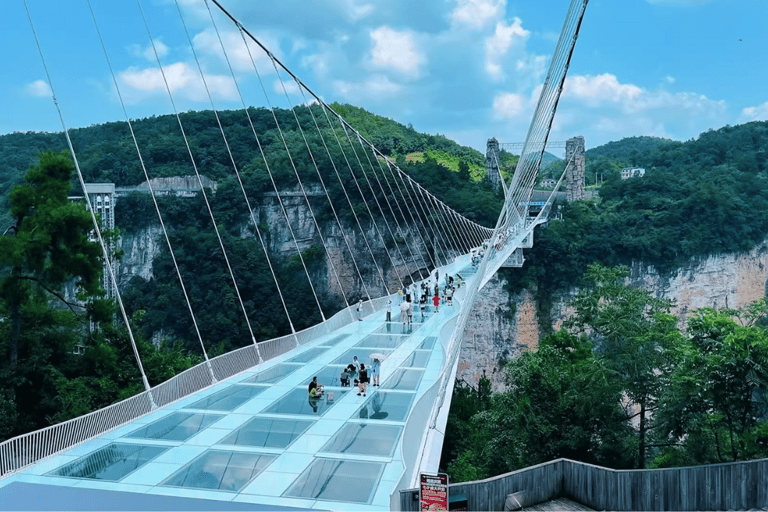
column 467, row 69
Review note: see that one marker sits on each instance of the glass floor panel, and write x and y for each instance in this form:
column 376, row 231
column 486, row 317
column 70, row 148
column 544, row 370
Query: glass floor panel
column 219, row 469
column 298, row 402
column 267, row 432
column 386, row 406
column 381, row 341
column 228, row 399
column 177, row 426
column 428, row 343
column 337, row 480
column 328, row 376
column 365, row 439
column 403, row 379
column 307, row 356
column 362, row 355
column 395, row 327
column 418, row 359
column 111, row 463
column 334, row 341
column 274, row 374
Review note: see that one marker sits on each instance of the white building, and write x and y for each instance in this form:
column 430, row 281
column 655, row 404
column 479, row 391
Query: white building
column 632, row 172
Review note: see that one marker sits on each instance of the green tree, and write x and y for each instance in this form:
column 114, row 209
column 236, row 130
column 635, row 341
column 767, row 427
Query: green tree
column 49, row 245
column 713, row 405
column 632, row 331
column 46, row 248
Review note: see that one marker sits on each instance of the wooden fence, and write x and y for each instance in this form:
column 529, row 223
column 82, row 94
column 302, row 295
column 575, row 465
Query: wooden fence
column 734, row 486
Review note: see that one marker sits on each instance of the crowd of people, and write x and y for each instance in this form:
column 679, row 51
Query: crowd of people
column 426, row 292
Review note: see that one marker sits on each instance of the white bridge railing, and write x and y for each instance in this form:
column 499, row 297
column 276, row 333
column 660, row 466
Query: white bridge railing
column 24, row 450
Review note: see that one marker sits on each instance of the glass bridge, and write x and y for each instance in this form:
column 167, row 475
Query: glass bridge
column 257, row 441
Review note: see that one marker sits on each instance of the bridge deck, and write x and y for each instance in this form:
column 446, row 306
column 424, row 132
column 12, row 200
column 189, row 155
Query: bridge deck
column 257, row 438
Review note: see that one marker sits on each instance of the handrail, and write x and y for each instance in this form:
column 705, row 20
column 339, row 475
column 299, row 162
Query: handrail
column 26, row 449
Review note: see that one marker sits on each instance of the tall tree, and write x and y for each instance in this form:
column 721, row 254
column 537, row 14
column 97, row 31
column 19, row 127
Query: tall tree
column 632, row 330
column 46, row 247
column 714, row 402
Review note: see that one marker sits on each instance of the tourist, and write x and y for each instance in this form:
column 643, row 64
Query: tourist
column 389, row 311
column 344, row 377
column 363, row 380
column 410, row 312
column 436, row 302
column 404, row 311
column 315, row 390
column 360, row 310
column 375, row 371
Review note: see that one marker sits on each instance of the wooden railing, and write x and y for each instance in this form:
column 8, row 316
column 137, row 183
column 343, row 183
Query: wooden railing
column 734, row 486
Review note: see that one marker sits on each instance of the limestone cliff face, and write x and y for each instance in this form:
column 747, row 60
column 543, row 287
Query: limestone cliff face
column 358, row 278
column 726, row 280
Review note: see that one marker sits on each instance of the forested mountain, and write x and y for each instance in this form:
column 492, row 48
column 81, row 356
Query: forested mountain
column 705, row 196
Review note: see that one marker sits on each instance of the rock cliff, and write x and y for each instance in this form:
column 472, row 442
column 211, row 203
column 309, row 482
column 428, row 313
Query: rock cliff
column 501, row 326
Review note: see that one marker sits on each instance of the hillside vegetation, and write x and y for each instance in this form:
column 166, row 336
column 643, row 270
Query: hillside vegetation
column 700, row 197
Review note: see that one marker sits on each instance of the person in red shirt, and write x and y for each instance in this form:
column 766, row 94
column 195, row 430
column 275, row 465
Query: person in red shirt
column 436, row 302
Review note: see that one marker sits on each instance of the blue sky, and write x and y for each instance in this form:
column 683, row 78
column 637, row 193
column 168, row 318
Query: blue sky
column 469, row 69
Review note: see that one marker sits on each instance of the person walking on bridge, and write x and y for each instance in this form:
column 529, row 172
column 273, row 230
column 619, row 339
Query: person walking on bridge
column 404, row 311
column 436, row 302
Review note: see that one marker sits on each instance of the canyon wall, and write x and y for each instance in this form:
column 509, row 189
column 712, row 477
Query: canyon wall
column 501, row 326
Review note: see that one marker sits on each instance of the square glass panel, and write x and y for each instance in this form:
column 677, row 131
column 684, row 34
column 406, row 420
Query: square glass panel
column 363, row 355
column 274, row 374
column 365, row 439
column 418, row 359
column 334, row 341
column 393, row 328
column 299, row 402
column 404, row 380
column 228, row 399
column 337, row 480
column 307, row 356
column 328, row 376
column 428, row 343
column 267, row 432
column 111, row 463
column 218, row 469
column 386, row 406
column 178, row 426
column 381, row 341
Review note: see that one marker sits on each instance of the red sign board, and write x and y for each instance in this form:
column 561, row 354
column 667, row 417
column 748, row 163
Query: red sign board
column 434, row 492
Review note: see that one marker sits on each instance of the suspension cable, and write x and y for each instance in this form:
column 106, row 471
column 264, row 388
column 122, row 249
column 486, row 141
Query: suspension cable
column 152, row 195
column 97, row 228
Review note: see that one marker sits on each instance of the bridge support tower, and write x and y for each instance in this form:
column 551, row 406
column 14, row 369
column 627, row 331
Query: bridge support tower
column 574, row 172
column 492, row 162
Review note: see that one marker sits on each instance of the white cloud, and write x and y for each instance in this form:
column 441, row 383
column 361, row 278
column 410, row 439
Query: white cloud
column 395, row 50
column 148, row 52
column 508, row 105
column 181, row 79
column 290, row 85
column 377, row 86
column 758, row 113
column 475, row 14
column 596, row 90
column 497, row 45
column 207, row 44
column 670, row 79
column 39, row 89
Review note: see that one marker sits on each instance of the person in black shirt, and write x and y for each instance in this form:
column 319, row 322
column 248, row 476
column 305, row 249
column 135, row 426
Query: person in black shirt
column 363, row 380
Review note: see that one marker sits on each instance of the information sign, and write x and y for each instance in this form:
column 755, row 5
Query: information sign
column 433, row 493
